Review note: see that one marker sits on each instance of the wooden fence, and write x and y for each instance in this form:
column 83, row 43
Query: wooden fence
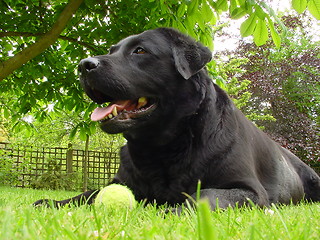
column 29, row 163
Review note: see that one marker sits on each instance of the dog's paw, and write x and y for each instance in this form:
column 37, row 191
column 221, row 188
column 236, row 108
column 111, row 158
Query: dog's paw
column 176, row 211
column 45, row 203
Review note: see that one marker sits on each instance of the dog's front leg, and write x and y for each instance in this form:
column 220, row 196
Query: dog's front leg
column 84, row 198
column 223, row 198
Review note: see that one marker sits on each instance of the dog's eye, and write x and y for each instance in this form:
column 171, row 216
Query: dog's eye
column 139, row 50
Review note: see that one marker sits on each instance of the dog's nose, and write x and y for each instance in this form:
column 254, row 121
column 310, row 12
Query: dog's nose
column 88, row 64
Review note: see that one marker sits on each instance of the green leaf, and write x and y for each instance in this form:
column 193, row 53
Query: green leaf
column 192, row 7
column 222, row 5
column 236, row 9
column 179, row 25
column 314, row 8
column 274, row 34
column 93, row 128
column 299, row 5
column 248, row 26
column 238, row 13
column 233, row 5
column 64, row 45
column 206, row 39
column 272, row 14
column 181, row 10
column 251, row 2
column 6, row 47
column 260, row 35
column 73, row 132
column 83, row 133
column 190, row 26
column 202, row 25
column 206, row 12
column 6, row 113
column 248, row 7
column 259, row 11
column 220, row 82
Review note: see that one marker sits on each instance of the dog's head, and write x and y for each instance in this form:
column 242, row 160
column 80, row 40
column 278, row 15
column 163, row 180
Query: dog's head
column 145, row 79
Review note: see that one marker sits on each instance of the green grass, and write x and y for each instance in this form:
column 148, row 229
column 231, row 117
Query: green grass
column 19, row 220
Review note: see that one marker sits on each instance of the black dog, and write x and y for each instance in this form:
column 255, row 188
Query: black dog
column 182, row 128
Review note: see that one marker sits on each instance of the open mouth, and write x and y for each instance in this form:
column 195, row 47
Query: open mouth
column 122, row 110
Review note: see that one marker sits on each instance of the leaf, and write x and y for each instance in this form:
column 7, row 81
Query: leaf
column 248, row 7
column 190, row 26
column 222, row 5
column 248, row 26
column 73, row 132
column 181, row 10
column 274, row 34
column 251, row 2
column 83, row 133
column 201, row 25
column 299, row 5
column 260, row 35
column 238, row 13
column 69, row 104
column 206, row 12
column 213, row 20
column 179, row 25
column 63, row 45
column 6, row 113
column 93, row 128
column 272, row 14
column 314, row 8
column 220, row 82
column 259, row 11
column 233, row 5
column 206, row 39
column 192, row 7
column 235, row 10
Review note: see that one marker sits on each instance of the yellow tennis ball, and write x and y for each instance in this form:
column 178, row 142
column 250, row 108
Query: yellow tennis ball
column 116, row 196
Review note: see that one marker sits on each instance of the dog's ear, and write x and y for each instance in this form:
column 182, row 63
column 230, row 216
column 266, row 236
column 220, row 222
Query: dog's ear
column 190, row 57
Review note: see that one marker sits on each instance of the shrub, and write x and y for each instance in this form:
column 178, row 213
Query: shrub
column 55, row 179
column 8, row 173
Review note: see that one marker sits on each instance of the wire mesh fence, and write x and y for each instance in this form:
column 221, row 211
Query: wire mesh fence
column 23, row 165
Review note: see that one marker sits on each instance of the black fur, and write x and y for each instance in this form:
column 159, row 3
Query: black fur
column 194, row 133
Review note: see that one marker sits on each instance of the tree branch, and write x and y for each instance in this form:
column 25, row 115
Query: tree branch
column 7, row 67
column 29, row 34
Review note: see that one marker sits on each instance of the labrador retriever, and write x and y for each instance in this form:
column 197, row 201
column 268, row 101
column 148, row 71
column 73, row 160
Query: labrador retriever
column 181, row 128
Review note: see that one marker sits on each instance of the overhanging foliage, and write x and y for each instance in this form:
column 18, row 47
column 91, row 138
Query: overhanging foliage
column 49, row 79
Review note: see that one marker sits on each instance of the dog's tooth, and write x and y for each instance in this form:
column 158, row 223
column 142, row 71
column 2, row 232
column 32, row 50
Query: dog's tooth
column 142, row 99
column 110, row 116
column 115, row 112
column 142, row 102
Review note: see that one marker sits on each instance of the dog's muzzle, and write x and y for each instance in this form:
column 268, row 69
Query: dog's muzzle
column 88, row 64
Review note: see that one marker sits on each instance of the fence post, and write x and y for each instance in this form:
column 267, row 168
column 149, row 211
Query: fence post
column 85, row 165
column 69, row 158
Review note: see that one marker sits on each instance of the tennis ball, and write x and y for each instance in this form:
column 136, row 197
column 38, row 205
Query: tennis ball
column 116, row 196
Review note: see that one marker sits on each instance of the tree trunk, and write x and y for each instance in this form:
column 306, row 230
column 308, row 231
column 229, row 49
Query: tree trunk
column 7, row 67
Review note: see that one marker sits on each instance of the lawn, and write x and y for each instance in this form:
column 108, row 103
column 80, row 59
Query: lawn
column 19, row 220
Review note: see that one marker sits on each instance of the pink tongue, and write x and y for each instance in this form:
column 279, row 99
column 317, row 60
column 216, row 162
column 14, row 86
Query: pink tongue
column 101, row 113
